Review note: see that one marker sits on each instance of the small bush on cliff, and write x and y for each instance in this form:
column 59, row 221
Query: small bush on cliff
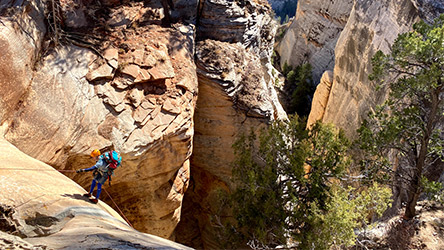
column 408, row 126
column 346, row 211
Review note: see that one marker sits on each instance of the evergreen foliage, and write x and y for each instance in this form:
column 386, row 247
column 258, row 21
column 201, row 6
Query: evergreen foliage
column 408, row 126
column 288, row 191
column 287, row 10
column 347, row 210
column 281, row 179
column 300, row 88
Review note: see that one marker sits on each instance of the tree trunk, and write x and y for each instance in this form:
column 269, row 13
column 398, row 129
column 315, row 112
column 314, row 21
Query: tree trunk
column 413, row 195
column 415, row 184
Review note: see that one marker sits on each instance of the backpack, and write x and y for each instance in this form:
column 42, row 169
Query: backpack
column 113, row 159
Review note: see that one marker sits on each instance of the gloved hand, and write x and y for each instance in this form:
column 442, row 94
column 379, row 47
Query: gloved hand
column 80, row 170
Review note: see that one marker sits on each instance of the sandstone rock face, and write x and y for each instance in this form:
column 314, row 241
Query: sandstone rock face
column 233, row 99
column 372, row 26
column 236, row 94
column 137, row 97
column 19, row 46
column 247, row 22
column 312, row 36
column 118, row 80
column 320, row 98
column 47, row 210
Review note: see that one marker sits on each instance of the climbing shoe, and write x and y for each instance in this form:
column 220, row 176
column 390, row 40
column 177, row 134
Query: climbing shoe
column 94, row 200
column 87, row 195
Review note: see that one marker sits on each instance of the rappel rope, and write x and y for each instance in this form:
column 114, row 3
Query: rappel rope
column 40, row 170
column 72, row 171
column 123, row 215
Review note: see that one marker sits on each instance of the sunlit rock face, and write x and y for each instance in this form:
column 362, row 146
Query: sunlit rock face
column 134, row 92
column 47, row 210
column 320, row 98
column 312, row 36
column 122, row 75
column 372, row 26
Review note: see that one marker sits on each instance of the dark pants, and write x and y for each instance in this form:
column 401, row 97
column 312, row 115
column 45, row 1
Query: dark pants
column 99, row 188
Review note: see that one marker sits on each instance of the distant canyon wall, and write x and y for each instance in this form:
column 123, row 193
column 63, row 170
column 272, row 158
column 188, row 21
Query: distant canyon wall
column 372, row 26
column 312, row 35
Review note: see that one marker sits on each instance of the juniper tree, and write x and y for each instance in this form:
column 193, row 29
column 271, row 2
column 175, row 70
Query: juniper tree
column 408, row 126
column 280, row 176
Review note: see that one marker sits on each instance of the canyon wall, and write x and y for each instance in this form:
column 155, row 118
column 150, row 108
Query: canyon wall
column 115, row 81
column 312, row 36
column 236, row 94
column 122, row 75
column 372, row 26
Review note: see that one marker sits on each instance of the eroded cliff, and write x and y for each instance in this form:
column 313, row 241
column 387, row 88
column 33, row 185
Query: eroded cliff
column 236, row 94
column 80, row 75
column 312, row 35
column 134, row 91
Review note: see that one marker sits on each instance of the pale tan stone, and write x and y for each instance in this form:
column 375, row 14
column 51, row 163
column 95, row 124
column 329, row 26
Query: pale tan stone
column 147, row 104
column 143, row 76
column 313, row 34
column 138, row 56
column 114, row 63
column 171, row 106
column 105, row 71
column 222, row 114
column 136, row 97
column 371, row 27
column 141, row 113
column 320, row 98
column 111, row 54
column 64, row 117
column 131, row 70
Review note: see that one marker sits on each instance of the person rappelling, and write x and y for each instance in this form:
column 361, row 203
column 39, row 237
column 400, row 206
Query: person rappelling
column 103, row 170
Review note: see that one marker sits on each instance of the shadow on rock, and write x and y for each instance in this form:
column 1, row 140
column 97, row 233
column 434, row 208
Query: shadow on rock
column 76, row 196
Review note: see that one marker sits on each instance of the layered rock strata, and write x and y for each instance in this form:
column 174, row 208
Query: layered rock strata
column 233, row 99
column 135, row 93
column 236, row 95
column 111, row 77
column 313, row 34
column 372, row 26
column 47, row 210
